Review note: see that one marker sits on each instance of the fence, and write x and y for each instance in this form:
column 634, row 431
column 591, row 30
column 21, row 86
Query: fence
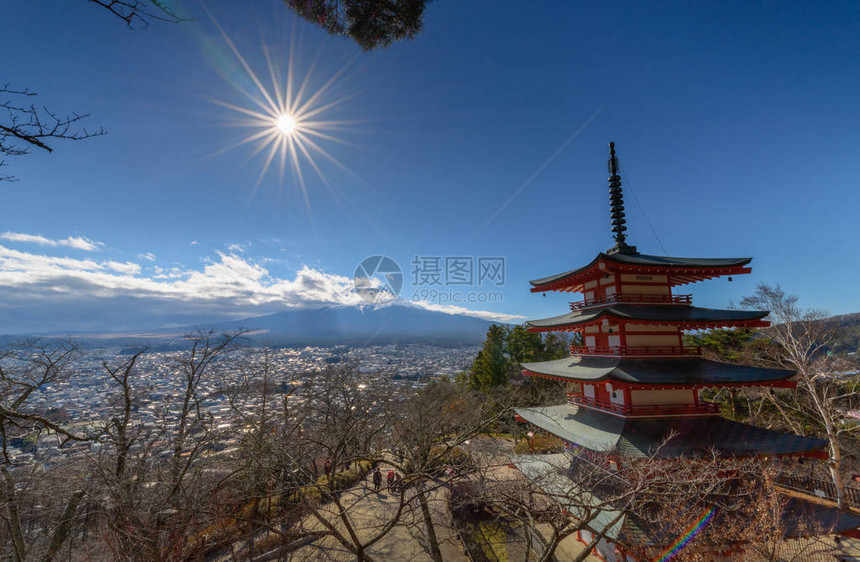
column 817, row 487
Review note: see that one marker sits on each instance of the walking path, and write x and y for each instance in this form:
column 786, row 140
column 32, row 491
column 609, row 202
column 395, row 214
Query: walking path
column 368, row 511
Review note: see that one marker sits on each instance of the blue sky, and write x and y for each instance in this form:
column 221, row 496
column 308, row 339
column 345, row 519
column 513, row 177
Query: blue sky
column 736, row 126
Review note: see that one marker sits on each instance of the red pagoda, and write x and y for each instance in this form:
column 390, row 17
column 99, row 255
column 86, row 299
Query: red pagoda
column 633, row 386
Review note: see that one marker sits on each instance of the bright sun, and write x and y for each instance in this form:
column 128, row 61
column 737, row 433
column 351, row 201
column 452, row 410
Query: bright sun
column 286, row 124
column 287, row 119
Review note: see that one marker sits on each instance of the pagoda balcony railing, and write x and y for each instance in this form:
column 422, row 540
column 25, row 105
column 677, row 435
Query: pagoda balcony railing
column 644, row 410
column 636, row 350
column 816, row 487
column 632, row 299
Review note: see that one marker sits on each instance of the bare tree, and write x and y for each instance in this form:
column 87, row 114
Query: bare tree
column 801, row 339
column 612, row 494
column 156, row 483
column 430, row 430
column 36, row 529
column 134, row 12
column 207, row 352
column 25, row 125
column 345, row 425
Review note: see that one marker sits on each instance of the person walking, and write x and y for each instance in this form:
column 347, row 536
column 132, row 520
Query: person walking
column 390, row 479
column 377, row 479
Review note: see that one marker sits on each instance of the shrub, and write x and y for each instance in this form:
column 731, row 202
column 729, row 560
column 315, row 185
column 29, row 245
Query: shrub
column 540, row 443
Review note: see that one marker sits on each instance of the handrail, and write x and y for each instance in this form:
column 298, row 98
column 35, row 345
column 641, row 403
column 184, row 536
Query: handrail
column 812, row 484
column 636, row 350
column 643, row 409
column 632, row 299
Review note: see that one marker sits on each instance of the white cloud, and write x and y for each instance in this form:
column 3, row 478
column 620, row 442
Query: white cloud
column 128, row 267
column 230, row 285
column 482, row 314
column 148, row 256
column 236, row 248
column 76, row 242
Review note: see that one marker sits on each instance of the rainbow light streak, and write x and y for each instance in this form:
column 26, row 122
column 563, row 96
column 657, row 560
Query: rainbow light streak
column 685, row 538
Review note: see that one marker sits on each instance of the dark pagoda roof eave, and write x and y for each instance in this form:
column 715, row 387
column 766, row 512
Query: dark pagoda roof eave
column 666, row 314
column 536, row 283
column 605, row 433
column 642, row 260
column 663, row 372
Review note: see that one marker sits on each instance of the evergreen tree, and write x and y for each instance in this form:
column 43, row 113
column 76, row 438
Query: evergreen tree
column 555, row 346
column 523, row 346
column 732, row 345
column 490, row 368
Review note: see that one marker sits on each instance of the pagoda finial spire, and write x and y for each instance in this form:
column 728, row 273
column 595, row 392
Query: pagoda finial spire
column 616, row 207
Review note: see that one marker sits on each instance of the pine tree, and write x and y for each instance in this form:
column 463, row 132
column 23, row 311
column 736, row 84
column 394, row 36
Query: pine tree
column 490, row 368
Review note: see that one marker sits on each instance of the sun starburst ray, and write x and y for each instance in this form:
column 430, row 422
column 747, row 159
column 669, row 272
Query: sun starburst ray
column 305, row 115
column 326, row 155
column 276, row 93
column 269, row 158
column 344, row 125
column 246, row 140
column 297, row 100
column 329, row 137
column 244, row 110
column 251, row 74
column 337, row 191
column 324, row 88
column 289, row 116
column 298, row 171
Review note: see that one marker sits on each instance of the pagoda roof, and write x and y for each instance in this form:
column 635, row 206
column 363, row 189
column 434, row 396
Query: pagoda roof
column 549, row 472
column 799, row 517
column 640, row 438
column 682, row 371
column 690, row 317
column 681, row 270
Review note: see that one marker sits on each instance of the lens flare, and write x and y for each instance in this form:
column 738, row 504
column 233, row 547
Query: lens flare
column 287, row 116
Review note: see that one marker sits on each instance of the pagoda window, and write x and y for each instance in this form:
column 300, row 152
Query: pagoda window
column 590, row 284
column 591, row 329
column 588, row 390
column 589, row 296
column 610, row 291
column 589, row 341
column 614, row 340
column 616, row 396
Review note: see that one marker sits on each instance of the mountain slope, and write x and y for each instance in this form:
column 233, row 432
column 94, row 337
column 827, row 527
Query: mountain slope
column 367, row 325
